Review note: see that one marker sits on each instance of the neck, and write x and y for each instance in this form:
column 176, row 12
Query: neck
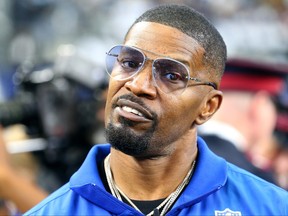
column 152, row 179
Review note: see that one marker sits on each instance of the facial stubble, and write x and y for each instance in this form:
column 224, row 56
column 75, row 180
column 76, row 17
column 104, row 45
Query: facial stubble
column 124, row 139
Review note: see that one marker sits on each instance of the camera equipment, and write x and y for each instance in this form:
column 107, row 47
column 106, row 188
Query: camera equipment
column 58, row 103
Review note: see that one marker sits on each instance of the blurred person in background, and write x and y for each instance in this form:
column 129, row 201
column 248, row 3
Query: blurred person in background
column 247, row 117
column 19, row 189
column 270, row 155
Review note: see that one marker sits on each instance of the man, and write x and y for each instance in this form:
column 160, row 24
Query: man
column 163, row 84
column 247, row 117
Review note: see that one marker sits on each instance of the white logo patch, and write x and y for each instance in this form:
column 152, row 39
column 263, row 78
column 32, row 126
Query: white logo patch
column 227, row 212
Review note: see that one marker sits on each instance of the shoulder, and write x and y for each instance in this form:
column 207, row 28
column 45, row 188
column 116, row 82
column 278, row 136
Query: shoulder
column 249, row 194
column 64, row 200
column 245, row 182
column 51, row 202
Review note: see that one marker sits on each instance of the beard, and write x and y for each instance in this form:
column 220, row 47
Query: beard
column 125, row 140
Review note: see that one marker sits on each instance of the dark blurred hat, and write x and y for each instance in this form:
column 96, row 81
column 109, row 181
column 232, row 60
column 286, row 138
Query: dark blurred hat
column 248, row 75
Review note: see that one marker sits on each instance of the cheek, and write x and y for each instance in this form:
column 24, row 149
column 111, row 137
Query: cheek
column 107, row 111
column 181, row 114
column 111, row 94
column 174, row 122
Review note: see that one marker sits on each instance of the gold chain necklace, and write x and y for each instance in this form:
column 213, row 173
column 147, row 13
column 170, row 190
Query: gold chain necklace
column 166, row 204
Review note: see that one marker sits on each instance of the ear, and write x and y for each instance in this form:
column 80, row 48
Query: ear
column 209, row 106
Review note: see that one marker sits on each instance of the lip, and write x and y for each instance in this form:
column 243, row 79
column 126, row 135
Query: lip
column 146, row 115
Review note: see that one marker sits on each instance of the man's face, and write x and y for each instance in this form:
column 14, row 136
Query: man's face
column 140, row 119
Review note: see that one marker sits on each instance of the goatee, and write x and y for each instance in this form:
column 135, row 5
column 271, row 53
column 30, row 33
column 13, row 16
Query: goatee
column 125, row 140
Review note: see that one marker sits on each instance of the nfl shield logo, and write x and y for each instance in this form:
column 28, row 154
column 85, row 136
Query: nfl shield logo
column 227, row 212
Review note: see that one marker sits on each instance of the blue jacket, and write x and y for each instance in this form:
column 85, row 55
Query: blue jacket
column 216, row 187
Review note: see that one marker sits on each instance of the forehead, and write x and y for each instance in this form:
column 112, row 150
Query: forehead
column 166, row 41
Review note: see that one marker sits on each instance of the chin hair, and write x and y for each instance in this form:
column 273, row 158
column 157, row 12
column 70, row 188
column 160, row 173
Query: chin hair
column 125, row 140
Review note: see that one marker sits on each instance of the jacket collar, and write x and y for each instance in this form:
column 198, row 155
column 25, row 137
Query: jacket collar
column 210, row 175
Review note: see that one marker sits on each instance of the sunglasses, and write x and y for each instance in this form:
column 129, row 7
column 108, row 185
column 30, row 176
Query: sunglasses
column 169, row 75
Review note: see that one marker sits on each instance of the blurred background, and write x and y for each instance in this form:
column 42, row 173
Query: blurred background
column 52, row 75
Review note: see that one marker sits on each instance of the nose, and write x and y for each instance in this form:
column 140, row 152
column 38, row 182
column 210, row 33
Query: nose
column 142, row 83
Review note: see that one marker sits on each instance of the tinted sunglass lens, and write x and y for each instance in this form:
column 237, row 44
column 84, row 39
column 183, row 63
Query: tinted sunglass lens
column 170, row 75
column 111, row 58
column 122, row 62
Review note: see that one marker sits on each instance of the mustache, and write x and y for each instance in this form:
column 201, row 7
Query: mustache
column 137, row 100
